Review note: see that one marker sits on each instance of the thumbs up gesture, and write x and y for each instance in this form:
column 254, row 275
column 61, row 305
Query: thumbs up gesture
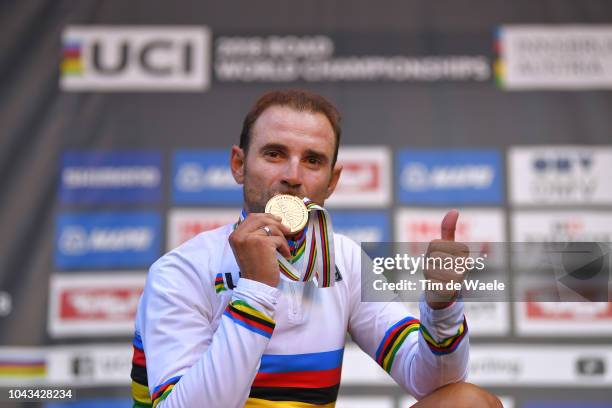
column 445, row 248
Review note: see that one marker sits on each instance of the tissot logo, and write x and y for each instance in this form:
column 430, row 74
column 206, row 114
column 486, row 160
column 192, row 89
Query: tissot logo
column 135, row 58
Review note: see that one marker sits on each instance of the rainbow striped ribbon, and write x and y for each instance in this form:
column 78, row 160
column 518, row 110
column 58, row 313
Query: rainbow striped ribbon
column 319, row 250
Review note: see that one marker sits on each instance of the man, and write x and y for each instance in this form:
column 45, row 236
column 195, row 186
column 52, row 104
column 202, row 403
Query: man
column 220, row 326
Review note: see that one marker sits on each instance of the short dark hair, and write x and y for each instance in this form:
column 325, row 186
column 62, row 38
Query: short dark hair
column 298, row 99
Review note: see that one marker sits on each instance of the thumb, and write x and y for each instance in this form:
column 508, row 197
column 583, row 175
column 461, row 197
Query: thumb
column 449, row 224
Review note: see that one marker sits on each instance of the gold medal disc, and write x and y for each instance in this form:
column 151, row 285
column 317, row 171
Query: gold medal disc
column 291, row 209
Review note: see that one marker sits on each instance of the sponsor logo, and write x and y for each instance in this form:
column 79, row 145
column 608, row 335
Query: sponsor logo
column 362, row 226
column 474, row 225
column 479, row 226
column 107, row 240
column 147, row 58
column 184, row 224
column 496, row 366
column 569, row 310
column 111, row 177
column 204, row 177
column 560, row 175
column 84, row 304
column 577, row 366
column 365, row 179
column 89, row 365
column 536, row 317
column 570, row 57
column 591, row 366
column 562, row 226
column 449, row 176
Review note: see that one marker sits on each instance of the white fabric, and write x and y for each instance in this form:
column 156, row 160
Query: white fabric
column 184, row 334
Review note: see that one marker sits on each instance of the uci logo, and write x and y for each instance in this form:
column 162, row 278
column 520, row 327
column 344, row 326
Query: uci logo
column 135, row 58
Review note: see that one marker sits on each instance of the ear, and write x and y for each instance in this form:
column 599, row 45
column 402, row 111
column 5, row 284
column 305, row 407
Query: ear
column 237, row 162
column 334, row 179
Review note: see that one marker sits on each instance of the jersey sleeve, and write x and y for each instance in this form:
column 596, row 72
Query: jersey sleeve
column 189, row 361
column 421, row 354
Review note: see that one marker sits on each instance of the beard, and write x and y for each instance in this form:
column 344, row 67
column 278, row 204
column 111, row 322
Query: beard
column 255, row 199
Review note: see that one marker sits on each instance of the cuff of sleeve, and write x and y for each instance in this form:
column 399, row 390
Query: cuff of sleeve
column 442, row 323
column 259, row 295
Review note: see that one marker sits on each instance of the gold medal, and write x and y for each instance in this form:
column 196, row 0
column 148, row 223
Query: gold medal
column 291, row 209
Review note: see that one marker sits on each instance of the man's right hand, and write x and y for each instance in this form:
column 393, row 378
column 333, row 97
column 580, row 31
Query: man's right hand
column 255, row 250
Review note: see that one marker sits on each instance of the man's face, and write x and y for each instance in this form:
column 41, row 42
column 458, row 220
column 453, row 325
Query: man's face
column 290, row 152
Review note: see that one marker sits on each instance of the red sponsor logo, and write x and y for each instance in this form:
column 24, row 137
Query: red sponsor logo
column 582, row 311
column 189, row 229
column 359, row 177
column 99, row 303
column 424, row 231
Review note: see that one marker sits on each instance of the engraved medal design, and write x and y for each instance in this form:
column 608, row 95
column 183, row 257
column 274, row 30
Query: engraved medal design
column 291, row 209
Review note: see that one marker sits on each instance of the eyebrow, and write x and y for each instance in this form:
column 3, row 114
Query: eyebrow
column 309, row 152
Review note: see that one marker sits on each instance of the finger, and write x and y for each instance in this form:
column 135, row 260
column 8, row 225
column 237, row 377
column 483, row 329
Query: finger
column 449, row 224
column 281, row 245
column 274, row 230
column 257, row 220
column 448, row 247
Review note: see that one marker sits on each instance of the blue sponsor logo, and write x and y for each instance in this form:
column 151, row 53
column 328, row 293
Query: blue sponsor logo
column 110, row 177
column 204, row 177
column 449, row 177
column 107, row 240
column 362, row 226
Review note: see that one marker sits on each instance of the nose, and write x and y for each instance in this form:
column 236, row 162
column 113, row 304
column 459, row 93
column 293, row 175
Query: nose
column 292, row 177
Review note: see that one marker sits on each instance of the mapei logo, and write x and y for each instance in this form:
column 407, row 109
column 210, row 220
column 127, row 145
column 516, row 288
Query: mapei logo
column 449, row 176
column 204, row 177
column 107, row 240
column 560, row 175
column 145, row 58
column 111, row 177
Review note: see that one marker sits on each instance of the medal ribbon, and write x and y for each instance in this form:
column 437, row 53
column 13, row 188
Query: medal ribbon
column 319, row 250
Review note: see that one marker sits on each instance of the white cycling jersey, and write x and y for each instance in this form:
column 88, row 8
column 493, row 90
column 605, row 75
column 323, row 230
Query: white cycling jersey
column 207, row 338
